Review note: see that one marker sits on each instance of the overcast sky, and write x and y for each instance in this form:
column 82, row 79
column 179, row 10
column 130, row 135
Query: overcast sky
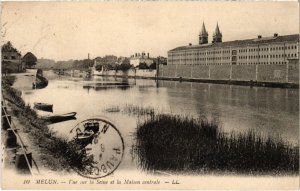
column 71, row 30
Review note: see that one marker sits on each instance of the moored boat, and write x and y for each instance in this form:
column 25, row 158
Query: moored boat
column 43, row 106
column 60, row 118
column 84, row 138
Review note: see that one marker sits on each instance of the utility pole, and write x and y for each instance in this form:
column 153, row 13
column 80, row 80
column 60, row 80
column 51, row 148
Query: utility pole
column 157, row 67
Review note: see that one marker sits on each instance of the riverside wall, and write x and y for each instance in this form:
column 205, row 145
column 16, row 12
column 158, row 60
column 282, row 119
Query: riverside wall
column 285, row 73
column 130, row 73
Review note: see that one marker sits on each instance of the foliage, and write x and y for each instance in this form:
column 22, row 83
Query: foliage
column 152, row 66
column 8, row 47
column 123, row 67
column 143, row 66
column 29, row 59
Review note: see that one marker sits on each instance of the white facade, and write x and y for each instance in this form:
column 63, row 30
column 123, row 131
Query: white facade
column 138, row 58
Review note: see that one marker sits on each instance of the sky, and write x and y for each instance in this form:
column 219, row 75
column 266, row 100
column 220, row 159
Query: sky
column 71, row 30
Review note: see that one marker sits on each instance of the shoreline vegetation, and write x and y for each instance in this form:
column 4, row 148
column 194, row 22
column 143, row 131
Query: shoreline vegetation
column 61, row 154
column 178, row 144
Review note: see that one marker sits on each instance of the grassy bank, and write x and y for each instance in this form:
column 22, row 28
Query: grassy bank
column 177, row 144
column 62, row 154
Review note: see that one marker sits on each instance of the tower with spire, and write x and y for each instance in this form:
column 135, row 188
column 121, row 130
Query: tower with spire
column 203, row 36
column 217, row 37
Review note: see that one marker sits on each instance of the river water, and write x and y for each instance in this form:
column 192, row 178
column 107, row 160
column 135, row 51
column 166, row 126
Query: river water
column 269, row 111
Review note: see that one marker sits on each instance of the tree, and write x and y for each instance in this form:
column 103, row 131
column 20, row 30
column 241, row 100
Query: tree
column 29, row 59
column 152, row 66
column 143, row 66
column 123, row 67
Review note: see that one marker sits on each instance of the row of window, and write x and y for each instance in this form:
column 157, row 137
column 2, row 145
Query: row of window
column 12, row 57
column 267, row 49
column 241, row 50
column 201, row 53
column 202, row 59
column 271, row 56
column 240, row 57
column 265, row 63
column 243, row 63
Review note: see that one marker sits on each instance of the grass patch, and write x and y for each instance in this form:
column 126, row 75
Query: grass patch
column 137, row 110
column 113, row 109
column 179, row 144
column 69, row 154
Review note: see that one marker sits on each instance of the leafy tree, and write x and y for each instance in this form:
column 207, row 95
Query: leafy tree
column 98, row 67
column 152, row 66
column 143, row 66
column 29, row 59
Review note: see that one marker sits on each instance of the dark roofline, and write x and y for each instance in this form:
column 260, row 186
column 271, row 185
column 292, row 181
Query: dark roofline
column 256, row 41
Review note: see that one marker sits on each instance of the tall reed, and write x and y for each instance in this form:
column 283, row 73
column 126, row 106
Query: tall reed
column 176, row 143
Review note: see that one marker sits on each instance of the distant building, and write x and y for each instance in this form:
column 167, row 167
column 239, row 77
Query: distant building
column 275, row 49
column 138, row 58
column 9, row 53
column 11, row 58
column 263, row 59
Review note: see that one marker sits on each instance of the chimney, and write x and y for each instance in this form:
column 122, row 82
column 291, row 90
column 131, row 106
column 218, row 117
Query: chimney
column 275, row 34
column 148, row 54
column 259, row 36
column 135, row 54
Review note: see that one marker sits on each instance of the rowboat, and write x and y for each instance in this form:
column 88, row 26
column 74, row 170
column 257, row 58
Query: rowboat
column 85, row 138
column 60, row 118
column 43, row 106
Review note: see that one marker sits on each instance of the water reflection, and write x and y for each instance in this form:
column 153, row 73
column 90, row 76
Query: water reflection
column 266, row 110
column 238, row 108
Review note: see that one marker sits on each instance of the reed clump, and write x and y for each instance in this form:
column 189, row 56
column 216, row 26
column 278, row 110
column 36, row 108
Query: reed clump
column 138, row 110
column 175, row 143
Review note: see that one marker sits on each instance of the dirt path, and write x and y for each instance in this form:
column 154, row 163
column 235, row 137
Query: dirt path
column 46, row 163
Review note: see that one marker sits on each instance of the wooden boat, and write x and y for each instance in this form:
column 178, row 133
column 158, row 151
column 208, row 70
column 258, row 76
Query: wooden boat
column 85, row 138
column 60, row 118
column 92, row 127
column 43, row 106
column 40, row 80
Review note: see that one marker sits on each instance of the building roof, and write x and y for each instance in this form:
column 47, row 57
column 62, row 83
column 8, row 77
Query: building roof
column 256, row 41
column 217, row 31
column 203, row 31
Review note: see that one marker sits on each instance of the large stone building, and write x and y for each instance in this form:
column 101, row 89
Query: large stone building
column 259, row 59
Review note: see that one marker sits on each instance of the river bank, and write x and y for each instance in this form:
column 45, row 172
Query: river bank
column 51, row 152
column 228, row 82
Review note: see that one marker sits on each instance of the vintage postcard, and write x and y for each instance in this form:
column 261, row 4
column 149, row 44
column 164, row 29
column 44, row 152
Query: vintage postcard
column 150, row 95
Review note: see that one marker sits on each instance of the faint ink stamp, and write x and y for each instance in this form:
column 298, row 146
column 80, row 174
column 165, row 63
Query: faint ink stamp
column 100, row 139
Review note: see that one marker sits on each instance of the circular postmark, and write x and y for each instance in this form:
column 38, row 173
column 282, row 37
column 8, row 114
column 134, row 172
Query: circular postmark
column 102, row 141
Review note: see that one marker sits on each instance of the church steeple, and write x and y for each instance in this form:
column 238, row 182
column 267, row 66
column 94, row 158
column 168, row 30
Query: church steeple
column 217, row 37
column 203, row 36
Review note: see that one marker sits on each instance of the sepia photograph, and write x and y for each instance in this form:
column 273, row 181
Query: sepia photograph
column 160, row 95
